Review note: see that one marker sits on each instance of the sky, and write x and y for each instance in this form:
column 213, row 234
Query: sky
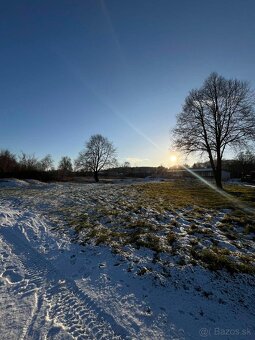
column 121, row 68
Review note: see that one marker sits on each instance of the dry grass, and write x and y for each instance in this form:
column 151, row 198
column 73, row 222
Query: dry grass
column 192, row 193
column 199, row 198
column 151, row 216
column 218, row 259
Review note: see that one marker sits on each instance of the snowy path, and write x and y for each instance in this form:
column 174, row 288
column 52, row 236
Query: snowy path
column 46, row 292
column 54, row 294
column 56, row 298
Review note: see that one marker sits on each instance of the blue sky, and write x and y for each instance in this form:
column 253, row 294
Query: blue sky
column 70, row 69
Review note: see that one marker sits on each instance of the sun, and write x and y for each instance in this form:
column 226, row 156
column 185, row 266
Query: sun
column 173, row 159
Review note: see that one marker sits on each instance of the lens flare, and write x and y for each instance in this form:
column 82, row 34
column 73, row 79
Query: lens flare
column 223, row 193
column 173, row 159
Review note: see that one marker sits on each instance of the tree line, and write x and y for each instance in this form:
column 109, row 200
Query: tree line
column 98, row 154
column 29, row 166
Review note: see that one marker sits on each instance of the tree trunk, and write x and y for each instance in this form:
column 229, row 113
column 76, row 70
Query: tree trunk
column 96, row 176
column 218, row 179
column 216, row 170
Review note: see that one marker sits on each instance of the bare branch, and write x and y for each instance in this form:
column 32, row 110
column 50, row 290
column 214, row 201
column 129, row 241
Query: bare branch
column 219, row 114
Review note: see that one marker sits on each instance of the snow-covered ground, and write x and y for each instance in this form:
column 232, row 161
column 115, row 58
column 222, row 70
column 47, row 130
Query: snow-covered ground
column 54, row 288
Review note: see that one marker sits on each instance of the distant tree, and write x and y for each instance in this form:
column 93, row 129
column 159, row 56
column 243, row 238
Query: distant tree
column 28, row 162
column 99, row 154
column 46, row 163
column 218, row 115
column 161, row 170
column 65, row 165
column 245, row 161
column 126, row 165
column 201, row 165
column 8, row 162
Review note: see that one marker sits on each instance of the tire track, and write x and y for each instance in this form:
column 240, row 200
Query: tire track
column 59, row 300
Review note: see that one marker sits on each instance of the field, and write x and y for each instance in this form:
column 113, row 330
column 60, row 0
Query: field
column 158, row 260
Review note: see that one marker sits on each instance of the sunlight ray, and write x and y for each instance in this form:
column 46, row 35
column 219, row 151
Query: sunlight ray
column 236, row 202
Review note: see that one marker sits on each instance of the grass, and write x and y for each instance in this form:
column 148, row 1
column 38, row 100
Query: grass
column 218, row 259
column 125, row 222
column 180, row 194
column 191, row 193
column 171, row 238
column 151, row 216
column 243, row 193
column 199, row 198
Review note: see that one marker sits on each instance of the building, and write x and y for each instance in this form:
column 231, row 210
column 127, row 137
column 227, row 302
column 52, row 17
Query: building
column 205, row 173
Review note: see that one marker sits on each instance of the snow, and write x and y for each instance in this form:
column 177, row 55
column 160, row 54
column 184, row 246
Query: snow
column 54, row 288
column 18, row 183
column 35, row 182
column 12, row 183
column 249, row 185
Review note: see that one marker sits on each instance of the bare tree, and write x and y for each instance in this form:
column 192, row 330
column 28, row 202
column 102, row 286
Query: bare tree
column 99, row 154
column 28, row 162
column 126, row 164
column 46, row 163
column 245, row 161
column 8, row 162
column 218, row 115
column 65, row 164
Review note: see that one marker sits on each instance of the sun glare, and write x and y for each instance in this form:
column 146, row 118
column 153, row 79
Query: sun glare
column 173, row 159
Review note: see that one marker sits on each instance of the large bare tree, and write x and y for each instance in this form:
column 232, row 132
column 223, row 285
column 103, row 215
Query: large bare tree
column 99, row 154
column 218, row 115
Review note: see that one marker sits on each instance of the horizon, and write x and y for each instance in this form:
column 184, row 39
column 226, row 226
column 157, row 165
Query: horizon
column 122, row 70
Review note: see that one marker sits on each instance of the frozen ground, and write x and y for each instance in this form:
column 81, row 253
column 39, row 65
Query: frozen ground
column 54, row 287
